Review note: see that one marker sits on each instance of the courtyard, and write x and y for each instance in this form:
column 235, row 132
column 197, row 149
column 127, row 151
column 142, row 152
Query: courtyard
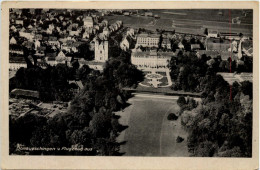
column 156, row 78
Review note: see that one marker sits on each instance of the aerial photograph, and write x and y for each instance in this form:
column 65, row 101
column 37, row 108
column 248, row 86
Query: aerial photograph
column 131, row 82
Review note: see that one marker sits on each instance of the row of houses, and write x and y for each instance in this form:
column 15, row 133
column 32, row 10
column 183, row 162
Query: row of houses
column 52, row 49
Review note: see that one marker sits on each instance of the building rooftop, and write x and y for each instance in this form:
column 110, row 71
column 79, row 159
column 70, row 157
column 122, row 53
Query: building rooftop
column 51, row 55
column 166, row 41
column 225, row 55
column 247, row 44
column 150, row 54
column 210, row 53
column 145, row 35
column 88, row 18
column 195, row 46
column 91, row 62
column 25, row 93
column 51, row 38
column 217, row 46
column 15, row 59
column 233, row 77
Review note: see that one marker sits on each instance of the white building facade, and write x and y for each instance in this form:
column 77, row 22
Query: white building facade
column 151, row 59
column 148, row 40
column 101, row 50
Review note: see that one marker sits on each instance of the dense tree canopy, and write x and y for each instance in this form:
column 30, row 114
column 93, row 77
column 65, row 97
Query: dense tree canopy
column 90, row 121
column 52, row 83
column 220, row 126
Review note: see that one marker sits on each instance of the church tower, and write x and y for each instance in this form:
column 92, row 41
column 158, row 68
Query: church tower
column 101, row 50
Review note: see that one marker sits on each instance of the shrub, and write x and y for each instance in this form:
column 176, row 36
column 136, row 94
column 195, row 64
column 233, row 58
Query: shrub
column 172, row 116
column 179, row 139
column 181, row 101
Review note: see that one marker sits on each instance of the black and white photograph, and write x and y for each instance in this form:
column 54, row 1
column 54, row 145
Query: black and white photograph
column 131, row 82
column 129, row 85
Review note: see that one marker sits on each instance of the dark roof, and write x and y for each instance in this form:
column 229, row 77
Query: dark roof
column 247, row 44
column 51, row 55
column 217, row 40
column 166, row 41
column 70, row 42
column 28, row 44
column 44, row 38
column 15, row 47
column 25, row 93
column 210, row 53
column 148, row 54
column 145, row 35
column 213, row 54
column 218, row 46
column 91, row 62
column 41, row 48
column 38, row 35
column 51, row 59
column 77, row 44
column 52, row 38
column 15, row 59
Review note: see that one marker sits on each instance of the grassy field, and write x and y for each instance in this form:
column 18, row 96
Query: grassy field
column 149, row 133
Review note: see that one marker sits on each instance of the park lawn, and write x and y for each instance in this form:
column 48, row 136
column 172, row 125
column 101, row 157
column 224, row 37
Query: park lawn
column 164, row 81
column 149, row 133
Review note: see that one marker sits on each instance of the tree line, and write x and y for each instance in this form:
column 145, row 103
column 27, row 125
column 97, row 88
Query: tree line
column 188, row 70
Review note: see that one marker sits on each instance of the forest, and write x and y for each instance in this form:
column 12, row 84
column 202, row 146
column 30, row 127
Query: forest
column 90, row 121
column 221, row 124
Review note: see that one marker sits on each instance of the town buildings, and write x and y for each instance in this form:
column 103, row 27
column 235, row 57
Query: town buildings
column 17, row 62
column 88, row 22
column 148, row 40
column 58, row 39
column 166, row 43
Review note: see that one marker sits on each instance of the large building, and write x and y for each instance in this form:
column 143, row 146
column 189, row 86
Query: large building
column 53, row 59
column 101, row 50
column 151, row 59
column 17, row 62
column 148, row 40
column 88, row 22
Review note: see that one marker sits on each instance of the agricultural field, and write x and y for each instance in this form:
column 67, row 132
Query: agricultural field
column 189, row 21
column 149, row 132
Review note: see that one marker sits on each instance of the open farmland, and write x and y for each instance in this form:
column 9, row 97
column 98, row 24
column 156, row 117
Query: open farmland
column 149, row 133
column 189, row 21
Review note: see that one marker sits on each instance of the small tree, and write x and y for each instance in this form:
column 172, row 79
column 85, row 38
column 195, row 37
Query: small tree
column 75, row 64
column 206, row 31
column 179, row 139
column 247, row 88
column 181, row 101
